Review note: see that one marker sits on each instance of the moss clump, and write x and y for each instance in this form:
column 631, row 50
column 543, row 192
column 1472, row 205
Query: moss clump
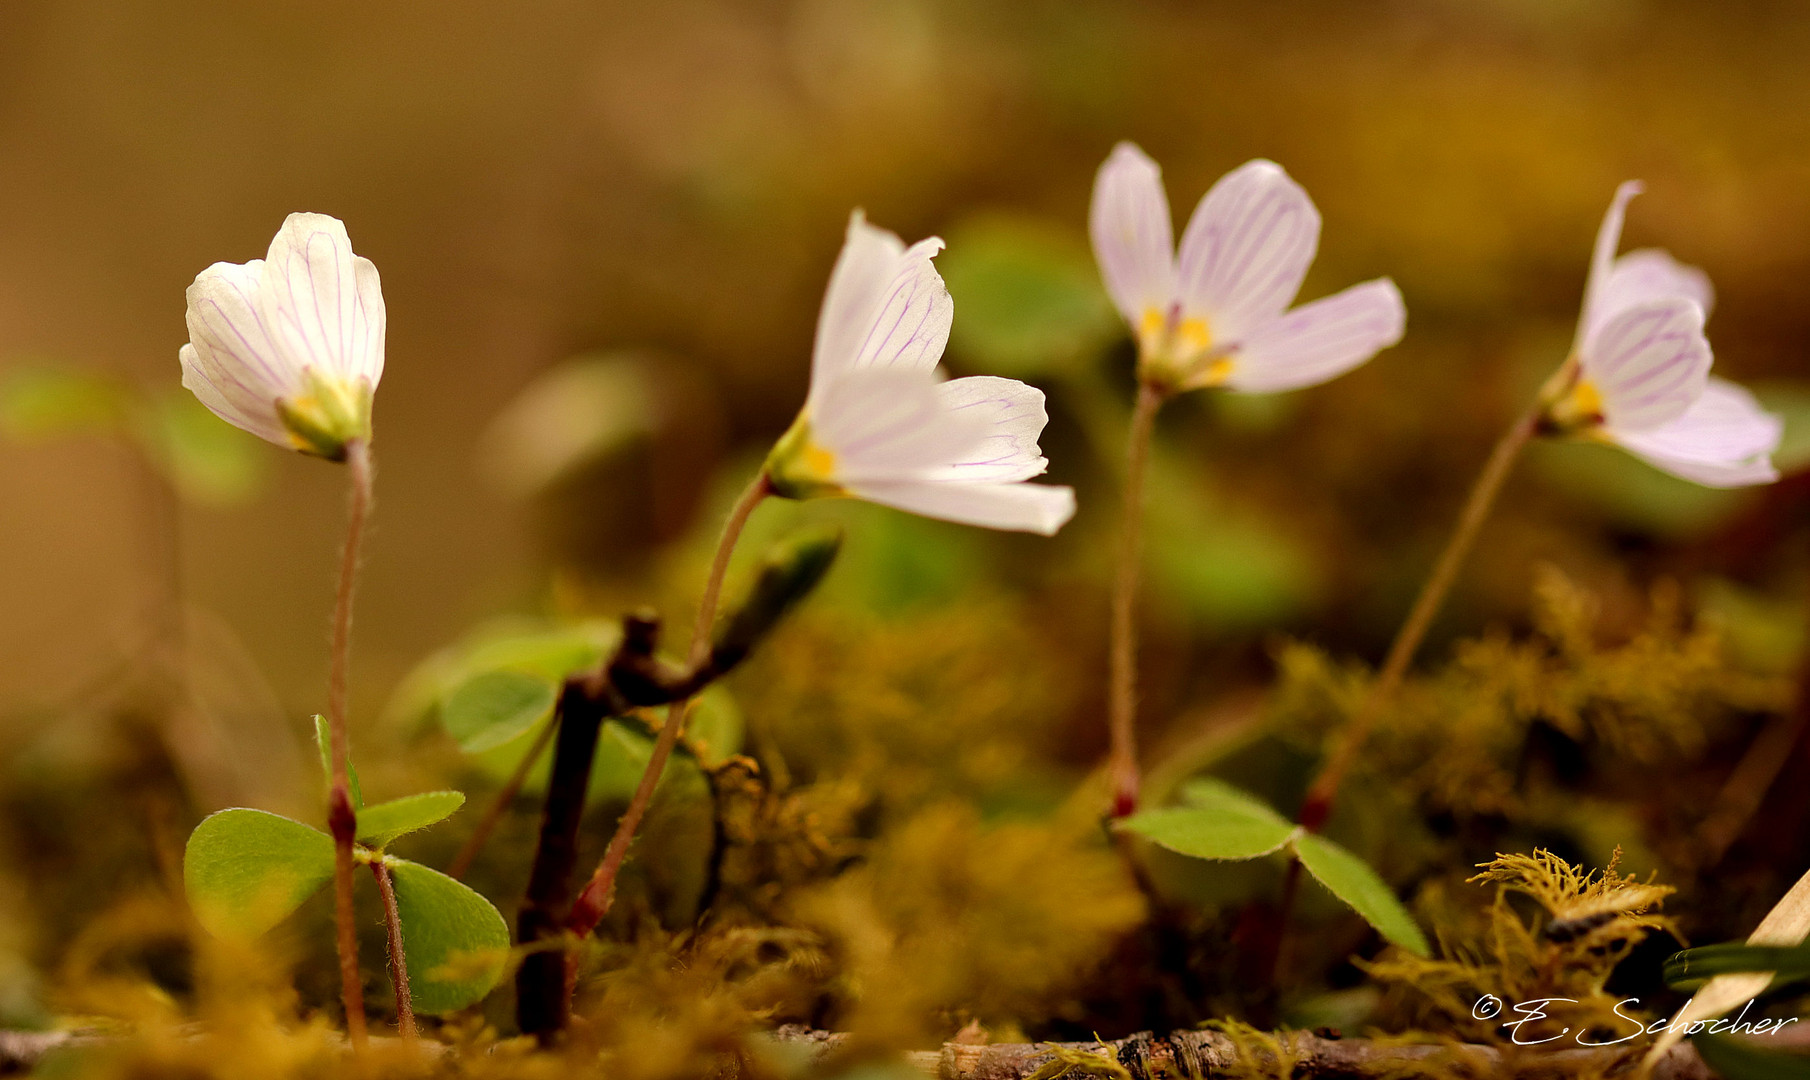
column 1561, row 953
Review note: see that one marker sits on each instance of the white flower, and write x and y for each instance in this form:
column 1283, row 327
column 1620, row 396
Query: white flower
column 881, row 424
column 1216, row 313
column 290, row 347
column 1642, row 376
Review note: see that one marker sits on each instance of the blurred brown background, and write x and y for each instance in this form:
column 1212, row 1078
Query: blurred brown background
column 539, row 179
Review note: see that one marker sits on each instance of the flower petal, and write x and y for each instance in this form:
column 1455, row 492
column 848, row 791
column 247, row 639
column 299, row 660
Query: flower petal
column 1602, row 261
column 1319, row 341
column 1134, row 241
column 1647, row 275
column 1246, row 249
column 232, row 353
column 891, row 424
column 910, row 325
column 867, row 264
column 370, row 321
column 1649, row 362
column 1013, row 416
column 1723, row 440
column 1038, row 508
column 317, row 306
column 209, row 384
column 886, row 306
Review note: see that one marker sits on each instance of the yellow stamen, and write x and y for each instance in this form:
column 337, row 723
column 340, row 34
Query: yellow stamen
column 1214, row 373
column 800, row 467
column 817, row 462
column 1171, row 349
column 1578, row 412
column 1587, row 398
column 1192, row 337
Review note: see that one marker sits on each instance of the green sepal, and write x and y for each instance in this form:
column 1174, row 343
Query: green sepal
column 327, row 414
column 788, row 572
column 795, row 468
column 323, row 740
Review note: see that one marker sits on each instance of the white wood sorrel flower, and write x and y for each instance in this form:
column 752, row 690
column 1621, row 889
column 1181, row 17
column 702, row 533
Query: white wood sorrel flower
column 1641, row 379
column 290, row 347
column 880, row 423
column 1216, row 312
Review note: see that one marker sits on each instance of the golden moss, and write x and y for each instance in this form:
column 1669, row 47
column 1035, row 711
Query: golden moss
column 951, row 701
column 1073, row 1061
column 775, row 841
column 1261, row 1055
column 950, row 918
column 1562, row 954
column 1457, row 735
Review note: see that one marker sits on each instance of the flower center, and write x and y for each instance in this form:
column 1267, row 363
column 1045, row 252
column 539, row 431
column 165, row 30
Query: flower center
column 1177, row 352
column 1578, row 410
column 800, row 467
column 327, row 414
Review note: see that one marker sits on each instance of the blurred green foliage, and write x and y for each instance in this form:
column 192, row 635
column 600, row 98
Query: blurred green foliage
column 604, row 230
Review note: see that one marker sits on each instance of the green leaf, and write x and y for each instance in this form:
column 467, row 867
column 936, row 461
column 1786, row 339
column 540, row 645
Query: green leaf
column 324, row 740
column 1737, row 1059
column 552, row 651
column 1031, row 299
column 622, row 756
column 716, row 728
column 494, row 707
column 575, row 413
column 1228, row 564
column 1219, row 822
column 38, row 402
column 1350, row 879
column 1790, row 400
column 454, row 940
column 1691, row 968
column 207, row 460
column 1613, row 484
column 380, row 824
column 247, row 870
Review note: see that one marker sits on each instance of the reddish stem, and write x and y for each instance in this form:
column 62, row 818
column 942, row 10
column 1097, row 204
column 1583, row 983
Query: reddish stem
column 342, row 818
column 399, row 969
column 594, row 902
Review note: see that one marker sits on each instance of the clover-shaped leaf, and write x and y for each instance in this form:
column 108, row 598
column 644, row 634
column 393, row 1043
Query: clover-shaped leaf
column 454, row 940
column 494, row 707
column 247, row 870
column 1218, row 822
column 1352, row 880
column 384, row 822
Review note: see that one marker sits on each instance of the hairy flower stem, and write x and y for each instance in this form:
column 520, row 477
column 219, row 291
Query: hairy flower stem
column 594, row 902
column 399, row 968
column 1123, row 676
column 511, row 788
column 1317, row 806
column 342, row 818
